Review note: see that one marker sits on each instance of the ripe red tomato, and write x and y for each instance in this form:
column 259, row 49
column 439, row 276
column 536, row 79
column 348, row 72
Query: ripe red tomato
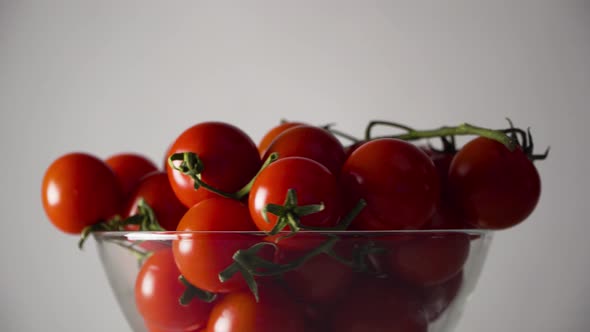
column 437, row 299
column 310, row 142
column 79, row 190
column 157, row 290
column 269, row 137
column 152, row 328
column 129, row 169
column 397, row 180
column 229, row 157
column 430, row 259
column 312, row 182
column 239, row 312
column 497, row 188
column 377, row 305
column 201, row 256
column 156, row 191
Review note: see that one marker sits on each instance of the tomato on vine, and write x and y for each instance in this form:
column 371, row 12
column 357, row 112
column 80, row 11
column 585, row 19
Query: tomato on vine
column 129, row 169
column 270, row 136
column 79, row 190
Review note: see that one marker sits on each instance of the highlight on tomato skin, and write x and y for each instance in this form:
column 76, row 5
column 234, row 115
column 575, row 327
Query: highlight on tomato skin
column 497, row 188
column 157, row 290
column 79, row 190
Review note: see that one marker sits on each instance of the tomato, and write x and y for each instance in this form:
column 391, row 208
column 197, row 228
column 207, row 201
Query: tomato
column 156, row 191
column 310, row 142
column 269, row 137
column 152, row 328
column 437, row 299
column 312, row 182
column 157, row 290
column 321, row 279
column 129, row 169
column 398, row 182
column 377, row 305
column 229, row 157
column 497, row 188
column 201, row 256
column 79, row 190
column 430, row 259
column 239, row 312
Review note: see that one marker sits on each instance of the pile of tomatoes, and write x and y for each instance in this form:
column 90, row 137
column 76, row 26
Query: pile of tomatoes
column 266, row 246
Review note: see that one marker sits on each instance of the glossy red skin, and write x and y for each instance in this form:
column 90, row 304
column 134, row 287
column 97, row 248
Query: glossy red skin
column 430, row 259
column 79, row 190
column 437, row 299
column 200, row 257
column 310, row 142
column 229, row 156
column 152, row 328
column 496, row 188
column 239, row 312
column 157, row 290
column 376, row 305
column 269, row 137
column 313, row 183
column 397, row 180
column 155, row 189
column 321, row 279
column 129, row 169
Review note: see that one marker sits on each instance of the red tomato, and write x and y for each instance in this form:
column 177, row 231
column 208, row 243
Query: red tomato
column 229, row 157
column 312, row 182
column 397, row 180
column 157, row 290
column 269, row 137
column 79, row 190
column 201, row 256
column 239, row 312
column 430, row 259
column 496, row 188
column 152, row 328
column 376, row 305
column 129, row 169
column 155, row 189
column 437, row 299
column 310, row 142
column 319, row 280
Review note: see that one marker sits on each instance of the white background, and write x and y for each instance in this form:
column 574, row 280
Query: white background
column 110, row 76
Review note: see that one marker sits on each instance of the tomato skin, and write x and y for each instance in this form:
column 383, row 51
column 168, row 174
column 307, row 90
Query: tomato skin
column 239, row 312
column 201, row 256
column 437, row 299
column 229, row 156
column 496, row 188
column 397, row 180
column 156, row 191
column 157, row 290
column 79, row 190
column 430, row 259
column 310, row 142
column 129, row 169
column 313, row 184
column 378, row 305
column 270, row 136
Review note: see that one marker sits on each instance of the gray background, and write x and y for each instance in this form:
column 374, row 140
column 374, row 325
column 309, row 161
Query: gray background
column 110, row 76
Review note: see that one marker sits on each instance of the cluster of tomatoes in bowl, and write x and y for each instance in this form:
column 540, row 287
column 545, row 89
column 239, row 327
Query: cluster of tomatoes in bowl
column 272, row 235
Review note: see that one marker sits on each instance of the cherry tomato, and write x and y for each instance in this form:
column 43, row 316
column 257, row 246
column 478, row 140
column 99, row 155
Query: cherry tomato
column 157, row 290
column 310, row 142
column 239, row 312
column 497, row 188
column 129, row 169
column 397, row 180
column 156, row 191
column 229, row 157
column 79, row 190
column 312, row 182
column 269, row 137
column 201, row 256
column 152, row 328
column 430, row 259
column 436, row 299
column 378, row 306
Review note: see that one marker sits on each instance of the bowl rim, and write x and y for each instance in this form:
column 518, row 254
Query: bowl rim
column 175, row 235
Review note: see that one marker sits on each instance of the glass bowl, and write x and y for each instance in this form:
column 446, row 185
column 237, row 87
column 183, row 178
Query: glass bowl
column 367, row 281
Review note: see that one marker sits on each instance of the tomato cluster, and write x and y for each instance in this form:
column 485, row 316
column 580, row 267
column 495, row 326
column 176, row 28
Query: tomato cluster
column 223, row 191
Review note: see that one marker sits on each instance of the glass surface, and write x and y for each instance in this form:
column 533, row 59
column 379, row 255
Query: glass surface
column 439, row 269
